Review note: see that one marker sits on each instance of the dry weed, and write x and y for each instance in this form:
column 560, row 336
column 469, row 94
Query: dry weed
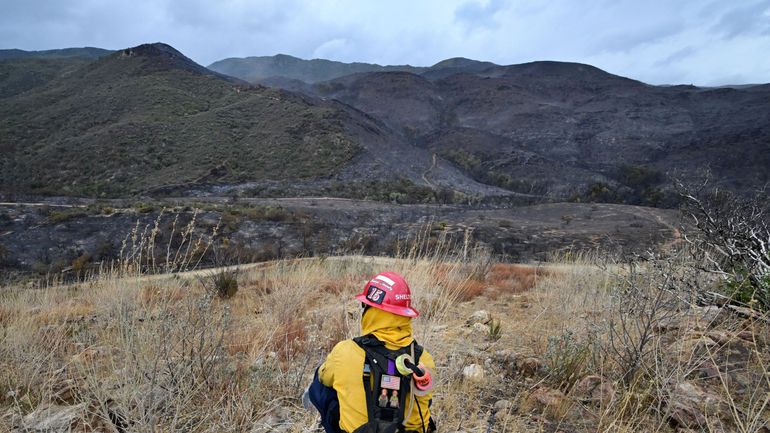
column 165, row 355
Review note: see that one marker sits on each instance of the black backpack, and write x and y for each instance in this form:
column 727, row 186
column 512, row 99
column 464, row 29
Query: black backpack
column 381, row 379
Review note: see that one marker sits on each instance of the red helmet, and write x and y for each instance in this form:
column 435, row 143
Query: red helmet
column 388, row 291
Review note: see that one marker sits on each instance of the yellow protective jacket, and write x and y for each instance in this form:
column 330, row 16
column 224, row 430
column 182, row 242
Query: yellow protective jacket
column 343, row 370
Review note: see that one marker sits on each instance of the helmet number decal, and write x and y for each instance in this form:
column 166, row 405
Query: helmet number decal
column 375, row 295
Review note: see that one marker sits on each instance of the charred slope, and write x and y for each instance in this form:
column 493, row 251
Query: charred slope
column 566, row 129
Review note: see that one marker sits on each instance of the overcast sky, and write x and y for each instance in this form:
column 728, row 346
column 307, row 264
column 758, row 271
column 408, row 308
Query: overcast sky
column 702, row 42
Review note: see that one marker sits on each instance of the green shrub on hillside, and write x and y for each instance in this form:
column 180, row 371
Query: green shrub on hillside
column 399, row 191
column 59, row 216
column 223, row 283
column 742, row 288
column 475, row 165
column 565, row 359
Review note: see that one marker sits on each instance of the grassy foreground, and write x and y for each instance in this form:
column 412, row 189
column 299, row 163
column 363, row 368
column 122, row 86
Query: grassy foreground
column 576, row 345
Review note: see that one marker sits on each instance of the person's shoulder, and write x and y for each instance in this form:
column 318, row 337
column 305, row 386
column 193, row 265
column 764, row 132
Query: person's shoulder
column 427, row 359
column 345, row 348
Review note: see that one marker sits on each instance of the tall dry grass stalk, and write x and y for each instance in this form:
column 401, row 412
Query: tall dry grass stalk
column 186, row 244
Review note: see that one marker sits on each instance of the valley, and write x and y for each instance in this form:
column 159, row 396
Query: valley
column 292, row 158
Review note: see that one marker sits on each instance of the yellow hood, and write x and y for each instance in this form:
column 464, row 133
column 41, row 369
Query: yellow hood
column 393, row 330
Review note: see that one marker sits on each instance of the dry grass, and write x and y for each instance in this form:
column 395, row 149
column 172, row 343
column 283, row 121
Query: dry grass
column 506, row 278
column 153, row 294
column 471, row 289
column 168, row 356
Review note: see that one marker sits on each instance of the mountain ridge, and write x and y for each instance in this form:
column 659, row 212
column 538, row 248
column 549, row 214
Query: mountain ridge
column 568, row 129
column 86, row 52
column 148, row 116
column 148, row 120
column 541, row 130
column 256, row 68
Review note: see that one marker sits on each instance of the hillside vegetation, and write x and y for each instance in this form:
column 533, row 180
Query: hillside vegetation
column 256, row 69
column 84, row 53
column 23, row 74
column 147, row 118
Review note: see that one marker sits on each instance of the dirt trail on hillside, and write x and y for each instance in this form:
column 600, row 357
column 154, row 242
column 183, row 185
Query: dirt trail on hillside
column 676, row 233
column 261, row 265
column 7, row 203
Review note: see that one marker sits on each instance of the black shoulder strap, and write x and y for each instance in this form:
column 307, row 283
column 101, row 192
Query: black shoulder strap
column 371, row 378
column 417, row 352
column 377, row 358
column 376, row 349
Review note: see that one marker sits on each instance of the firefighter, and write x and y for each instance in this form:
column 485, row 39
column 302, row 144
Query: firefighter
column 380, row 382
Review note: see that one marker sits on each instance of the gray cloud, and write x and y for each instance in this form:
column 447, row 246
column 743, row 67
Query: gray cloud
column 752, row 19
column 628, row 39
column 476, row 13
column 657, row 41
column 676, row 56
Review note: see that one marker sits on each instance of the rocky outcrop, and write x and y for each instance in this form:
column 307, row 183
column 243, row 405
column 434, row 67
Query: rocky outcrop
column 594, row 390
column 690, row 406
column 54, row 418
column 479, row 317
column 473, row 373
column 545, row 400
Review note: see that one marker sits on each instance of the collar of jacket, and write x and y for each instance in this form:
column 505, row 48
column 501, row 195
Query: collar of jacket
column 393, row 330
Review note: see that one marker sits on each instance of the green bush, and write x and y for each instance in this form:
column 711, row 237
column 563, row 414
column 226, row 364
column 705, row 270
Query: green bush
column 60, row 216
column 224, row 283
column 144, row 208
column 741, row 287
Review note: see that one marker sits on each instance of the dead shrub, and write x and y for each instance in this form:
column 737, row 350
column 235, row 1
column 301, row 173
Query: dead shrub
column 7, row 315
column 335, row 329
column 511, row 279
column 241, row 340
column 260, row 286
column 471, row 289
column 440, row 271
